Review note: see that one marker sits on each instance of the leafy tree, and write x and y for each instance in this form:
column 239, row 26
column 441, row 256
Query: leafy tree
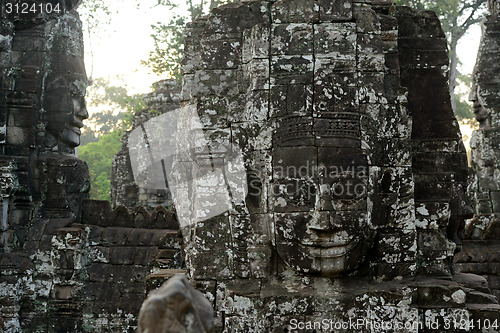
column 88, row 136
column 116, row 105
column 463, row 109
column 95, row 16
column 99, row 157
column 456, row 16
column 169, row 48
column 101, row 139
column 169, row 38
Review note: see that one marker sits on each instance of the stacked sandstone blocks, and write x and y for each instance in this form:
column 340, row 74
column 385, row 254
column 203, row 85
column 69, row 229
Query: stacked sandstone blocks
column 480, row 254
column 315, row 84
column 300, row 75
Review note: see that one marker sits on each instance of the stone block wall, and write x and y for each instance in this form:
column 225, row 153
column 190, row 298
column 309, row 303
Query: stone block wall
column 296, row 83
column 68, row 264
column 485, row 154
column 89, row 276
column 439, row 164
column 350, row 83
column 482, row 257
column 481, row 247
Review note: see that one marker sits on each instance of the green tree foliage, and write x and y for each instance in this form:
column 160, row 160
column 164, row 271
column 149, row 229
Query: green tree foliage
column 169, row 38
column 463, row 110
column 116, row 107
column 99, row 157
column 456, row 16
column 169, row 47
column 101, row 138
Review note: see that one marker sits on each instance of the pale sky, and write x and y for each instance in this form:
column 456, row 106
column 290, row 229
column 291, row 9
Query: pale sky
column 119, row 48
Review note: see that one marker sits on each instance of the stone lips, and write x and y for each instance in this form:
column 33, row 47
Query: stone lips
column 311, row 103
column 295, row 84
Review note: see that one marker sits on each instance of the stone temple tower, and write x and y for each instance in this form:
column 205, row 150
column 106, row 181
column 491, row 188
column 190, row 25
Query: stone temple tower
column 319, row 170
column 480, row 250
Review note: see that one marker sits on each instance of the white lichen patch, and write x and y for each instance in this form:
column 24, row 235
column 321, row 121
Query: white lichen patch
column 459, row 297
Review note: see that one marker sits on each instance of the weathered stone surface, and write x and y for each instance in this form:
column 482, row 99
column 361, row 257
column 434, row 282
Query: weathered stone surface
column 480, row 251
column 322, row 112
column 309, row 184
column 68, row 263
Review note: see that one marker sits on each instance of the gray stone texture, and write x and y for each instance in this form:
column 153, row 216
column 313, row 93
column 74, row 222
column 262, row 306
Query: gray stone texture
column 359, row 84
column 67, row 263
column 176, row 307
column 480, row 249
column 485, row 156
column 317, row 96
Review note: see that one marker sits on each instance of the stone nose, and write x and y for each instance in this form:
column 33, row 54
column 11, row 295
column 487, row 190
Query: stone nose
column 81, row 109
column 321, row 221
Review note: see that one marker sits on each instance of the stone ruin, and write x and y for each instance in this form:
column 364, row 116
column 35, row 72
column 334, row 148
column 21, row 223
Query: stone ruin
column 481, row 251
column 66, row 263
column 287, row 104
column 315, row 165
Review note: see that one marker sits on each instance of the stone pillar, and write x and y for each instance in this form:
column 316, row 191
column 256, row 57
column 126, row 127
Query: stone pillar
column 39, row 53
column 480, row 250
column 485, row 156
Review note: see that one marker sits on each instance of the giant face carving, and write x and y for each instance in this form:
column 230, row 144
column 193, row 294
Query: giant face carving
column 480, row 111
column 65, row 105
column 320, row 204
column 64, row 87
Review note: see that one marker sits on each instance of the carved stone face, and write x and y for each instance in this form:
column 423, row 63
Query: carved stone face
column 64, row 87
column 480, row 111
column 320, row 203
column 66, row 109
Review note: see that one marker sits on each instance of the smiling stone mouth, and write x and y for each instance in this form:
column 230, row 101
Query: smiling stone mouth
column 74, row 128
column 330, row 249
